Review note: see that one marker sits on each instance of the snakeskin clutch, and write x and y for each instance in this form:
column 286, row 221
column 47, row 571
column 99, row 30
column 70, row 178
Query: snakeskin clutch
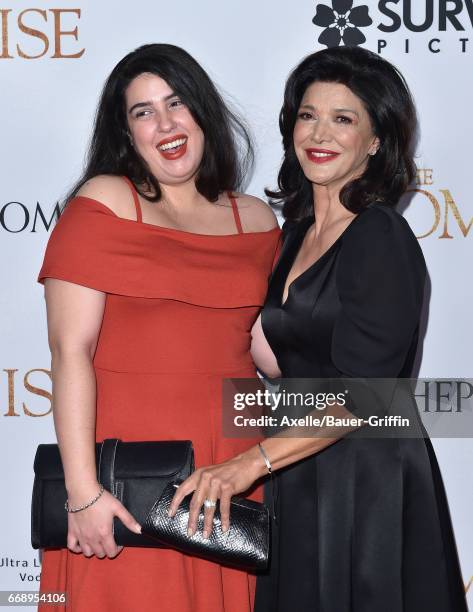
column 245, row 545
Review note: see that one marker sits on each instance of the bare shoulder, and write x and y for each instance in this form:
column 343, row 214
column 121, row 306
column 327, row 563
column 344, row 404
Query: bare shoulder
column 112, row 191
column 256, row 215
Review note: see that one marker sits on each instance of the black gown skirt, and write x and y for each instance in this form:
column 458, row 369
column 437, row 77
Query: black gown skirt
column 362, row 526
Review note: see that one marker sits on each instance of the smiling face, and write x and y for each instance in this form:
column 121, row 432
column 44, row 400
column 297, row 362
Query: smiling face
column 333, row 137
column 163, row 130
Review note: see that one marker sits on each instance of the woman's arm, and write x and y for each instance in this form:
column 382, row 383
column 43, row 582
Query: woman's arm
column 238, row 474
column 74, row 320
column 261, row 352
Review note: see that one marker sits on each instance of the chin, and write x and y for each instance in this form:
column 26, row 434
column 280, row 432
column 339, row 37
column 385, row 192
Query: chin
column 321, row 180
column 177, row 179
column 181, row 175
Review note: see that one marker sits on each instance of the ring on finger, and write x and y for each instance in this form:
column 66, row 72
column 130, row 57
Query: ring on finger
column 210, row 503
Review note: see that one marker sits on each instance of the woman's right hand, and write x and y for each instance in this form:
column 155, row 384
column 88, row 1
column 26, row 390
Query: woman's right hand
column 90, row 530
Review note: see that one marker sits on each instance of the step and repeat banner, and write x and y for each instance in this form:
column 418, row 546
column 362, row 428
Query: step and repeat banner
column 54, row 59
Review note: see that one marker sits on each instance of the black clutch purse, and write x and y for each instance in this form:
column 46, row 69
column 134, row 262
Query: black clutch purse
column 134, row 472
column 245, row 545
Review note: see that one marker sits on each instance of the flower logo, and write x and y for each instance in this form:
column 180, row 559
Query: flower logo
column 341, row 23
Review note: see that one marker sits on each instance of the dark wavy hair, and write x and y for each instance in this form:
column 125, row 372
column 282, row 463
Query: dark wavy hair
column 388, row 101
column 228, row 151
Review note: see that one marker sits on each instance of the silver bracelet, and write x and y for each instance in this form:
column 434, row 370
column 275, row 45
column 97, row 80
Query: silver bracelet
column 270, row 471
column 69, row 509
column 265, row 457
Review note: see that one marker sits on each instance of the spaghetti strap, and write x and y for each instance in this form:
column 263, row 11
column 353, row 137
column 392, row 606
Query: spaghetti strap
column 236, row 214
column 139, row 217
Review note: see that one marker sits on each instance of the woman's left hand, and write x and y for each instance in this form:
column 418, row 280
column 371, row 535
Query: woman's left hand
column 217, row 482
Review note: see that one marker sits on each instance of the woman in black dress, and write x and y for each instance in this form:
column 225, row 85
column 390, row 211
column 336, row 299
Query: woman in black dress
column 362, row 524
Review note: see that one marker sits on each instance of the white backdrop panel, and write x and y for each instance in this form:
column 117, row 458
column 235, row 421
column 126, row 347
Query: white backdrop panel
column 47, row 106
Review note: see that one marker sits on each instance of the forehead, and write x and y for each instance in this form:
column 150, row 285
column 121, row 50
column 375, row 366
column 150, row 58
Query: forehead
column 147, row 86
column 334, row 95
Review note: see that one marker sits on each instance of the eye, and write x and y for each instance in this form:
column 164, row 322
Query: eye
column 176, row 103
column 305, row 116
column 344, row 119
column 143, row 113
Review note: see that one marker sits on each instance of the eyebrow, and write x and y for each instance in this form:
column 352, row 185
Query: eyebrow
column 346, row 110
column 337, row 110
column 150, row 103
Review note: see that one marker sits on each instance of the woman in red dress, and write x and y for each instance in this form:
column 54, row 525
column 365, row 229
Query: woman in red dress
column 153, row 278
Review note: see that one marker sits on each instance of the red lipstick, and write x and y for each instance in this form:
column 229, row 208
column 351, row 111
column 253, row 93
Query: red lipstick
column 174, row 152
column 321, row 156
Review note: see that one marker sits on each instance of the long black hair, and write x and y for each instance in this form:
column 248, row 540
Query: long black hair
column 388, row 101
column 228, row 152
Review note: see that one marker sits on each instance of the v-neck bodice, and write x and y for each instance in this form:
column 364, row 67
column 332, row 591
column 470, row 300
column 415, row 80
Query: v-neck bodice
column 337, row 303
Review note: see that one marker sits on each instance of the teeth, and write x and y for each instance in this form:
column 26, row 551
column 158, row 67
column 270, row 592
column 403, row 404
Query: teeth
column 323, row 154
column 172, row 145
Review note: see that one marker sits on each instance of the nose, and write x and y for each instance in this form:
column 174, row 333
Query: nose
column 322, row 131
column 166, row 122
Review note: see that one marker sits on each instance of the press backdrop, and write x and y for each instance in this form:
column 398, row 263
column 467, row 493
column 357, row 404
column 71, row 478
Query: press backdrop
column 54, row 59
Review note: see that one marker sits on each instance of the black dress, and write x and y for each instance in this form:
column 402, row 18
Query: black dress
column 363, row 526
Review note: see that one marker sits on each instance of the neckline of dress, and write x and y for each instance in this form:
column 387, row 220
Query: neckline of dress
column 300, row 233
column 163, row 228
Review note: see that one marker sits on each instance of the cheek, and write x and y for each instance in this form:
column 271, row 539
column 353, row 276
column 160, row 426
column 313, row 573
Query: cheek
column 299, row 137
column 299, row 134
column 199, row 137
column 353, row 143
column 199, row 142
column 141, row 133
column 187, row 121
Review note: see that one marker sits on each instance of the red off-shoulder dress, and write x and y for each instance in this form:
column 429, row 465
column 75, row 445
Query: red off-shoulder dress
column 178, row 314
